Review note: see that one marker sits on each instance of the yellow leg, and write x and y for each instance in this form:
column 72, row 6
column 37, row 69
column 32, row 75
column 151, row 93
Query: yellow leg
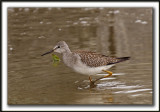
column 90, row 79
column 92, row 85
column 109, row 73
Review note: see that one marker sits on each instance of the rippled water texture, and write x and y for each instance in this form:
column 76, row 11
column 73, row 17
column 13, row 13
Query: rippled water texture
column 32, row 79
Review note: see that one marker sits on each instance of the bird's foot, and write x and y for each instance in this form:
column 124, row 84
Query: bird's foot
column 92, row 83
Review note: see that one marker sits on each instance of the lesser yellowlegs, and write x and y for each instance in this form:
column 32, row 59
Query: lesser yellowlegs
column 86, row 62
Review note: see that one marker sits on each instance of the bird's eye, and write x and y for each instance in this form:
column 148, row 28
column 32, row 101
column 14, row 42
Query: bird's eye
column 58, row 46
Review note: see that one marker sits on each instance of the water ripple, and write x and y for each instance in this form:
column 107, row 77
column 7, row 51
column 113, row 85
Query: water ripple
column 133, row 91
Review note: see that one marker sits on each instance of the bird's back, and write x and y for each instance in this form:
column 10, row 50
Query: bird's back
column 94, row 59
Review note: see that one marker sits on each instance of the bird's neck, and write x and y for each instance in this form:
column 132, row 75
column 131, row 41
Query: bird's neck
column 67, row 52
column 67, row 58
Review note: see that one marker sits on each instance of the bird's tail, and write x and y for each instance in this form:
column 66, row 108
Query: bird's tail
column 123, row 59
column 118, row 60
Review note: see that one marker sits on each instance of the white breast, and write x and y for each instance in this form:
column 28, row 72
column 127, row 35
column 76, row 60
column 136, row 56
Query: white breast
column 86, row 70
column 74, row 62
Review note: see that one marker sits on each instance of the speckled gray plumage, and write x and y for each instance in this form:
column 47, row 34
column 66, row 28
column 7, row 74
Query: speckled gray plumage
column 83, row 58
column 85, row 62
column 94, row 59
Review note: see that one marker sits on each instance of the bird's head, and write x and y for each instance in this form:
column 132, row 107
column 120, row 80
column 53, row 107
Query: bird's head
column 60, row 47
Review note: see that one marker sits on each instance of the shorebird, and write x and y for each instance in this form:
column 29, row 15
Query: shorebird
column 86, row 62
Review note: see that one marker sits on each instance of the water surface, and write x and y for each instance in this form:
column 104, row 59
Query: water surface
column 32, row 79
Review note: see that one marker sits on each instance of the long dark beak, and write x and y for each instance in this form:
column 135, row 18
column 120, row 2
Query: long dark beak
column 47, row 52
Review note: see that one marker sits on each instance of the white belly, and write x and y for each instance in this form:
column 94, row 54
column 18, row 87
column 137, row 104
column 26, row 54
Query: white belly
column 83, row 69
column 74, row 62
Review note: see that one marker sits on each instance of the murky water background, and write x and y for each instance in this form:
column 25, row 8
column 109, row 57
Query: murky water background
column 32, row 79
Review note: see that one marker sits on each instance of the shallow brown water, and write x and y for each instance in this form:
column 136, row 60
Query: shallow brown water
column 33, row 79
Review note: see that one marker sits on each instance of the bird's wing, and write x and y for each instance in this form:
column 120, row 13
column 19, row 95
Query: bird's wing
column 94, row 59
